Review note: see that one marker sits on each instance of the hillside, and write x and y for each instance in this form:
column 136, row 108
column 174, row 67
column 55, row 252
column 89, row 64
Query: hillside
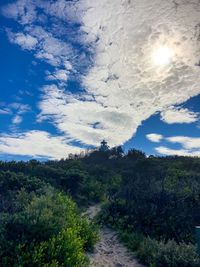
column 153, row 203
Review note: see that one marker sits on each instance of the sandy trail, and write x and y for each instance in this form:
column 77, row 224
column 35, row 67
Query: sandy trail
column 109, row 252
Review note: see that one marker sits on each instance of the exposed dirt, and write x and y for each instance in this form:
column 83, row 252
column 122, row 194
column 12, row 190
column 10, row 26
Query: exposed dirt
column 109, row 252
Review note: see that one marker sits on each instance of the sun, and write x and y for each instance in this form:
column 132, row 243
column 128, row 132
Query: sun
column 162, row 56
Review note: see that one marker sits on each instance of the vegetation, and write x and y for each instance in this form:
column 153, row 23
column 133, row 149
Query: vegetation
column 154, row 202
column 40, row 226
column 160, row 253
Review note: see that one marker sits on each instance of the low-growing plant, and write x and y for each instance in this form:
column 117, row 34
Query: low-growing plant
column 48, row 231
column 132, row 240
column 156, row 253
column 152, row 252
column 173, row 254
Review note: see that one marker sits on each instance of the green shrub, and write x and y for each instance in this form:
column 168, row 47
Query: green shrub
column 48, row 231
column 173, row 254
column 132, row 240
column 147, row 251
column 170, row 254
column 155, row 253
column 89, row 233
column 65, row 249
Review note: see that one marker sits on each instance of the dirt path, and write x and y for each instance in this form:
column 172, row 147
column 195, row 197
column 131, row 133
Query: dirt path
column 109, row 252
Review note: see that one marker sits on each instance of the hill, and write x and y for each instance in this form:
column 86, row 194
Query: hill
column 153, row 202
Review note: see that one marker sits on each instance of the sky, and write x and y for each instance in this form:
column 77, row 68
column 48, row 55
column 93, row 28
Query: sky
column 75, row 72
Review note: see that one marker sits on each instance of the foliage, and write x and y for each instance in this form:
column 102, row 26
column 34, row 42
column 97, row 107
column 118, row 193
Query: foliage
column 168, row 254
column 47, row 231
column 159, row 253
column 64, row 249
column 155, row 199
column 158, row 199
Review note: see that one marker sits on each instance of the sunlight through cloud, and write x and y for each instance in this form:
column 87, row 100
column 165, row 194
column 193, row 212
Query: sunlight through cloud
column 162, row 56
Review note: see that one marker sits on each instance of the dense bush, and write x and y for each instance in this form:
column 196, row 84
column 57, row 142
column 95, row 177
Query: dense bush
column 159, row 201
column 155, row 253
column 158, row 197
column 11, row 183
column 46, row 230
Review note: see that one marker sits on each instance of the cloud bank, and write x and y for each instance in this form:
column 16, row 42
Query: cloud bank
column 37, row 144
column 178, row 115
column 189, row 146
column 122, row 87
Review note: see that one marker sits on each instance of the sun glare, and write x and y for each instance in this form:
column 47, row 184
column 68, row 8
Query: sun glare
column 162, row 56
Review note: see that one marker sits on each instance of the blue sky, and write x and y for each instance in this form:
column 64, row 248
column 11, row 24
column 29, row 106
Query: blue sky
column 76, row 72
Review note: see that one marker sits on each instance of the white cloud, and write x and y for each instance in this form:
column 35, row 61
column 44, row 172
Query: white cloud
column 190, row 146
column 65, row 10
column 123, row 76
column 185, row 141
column 36, row 144
column 178, row 115
column 22, row 10
column 154, row 137
column 178, row 152
column 61, row 75
column 15, row 107
column 26, row 41
column 126, row 86
column 123, row 84
column 17, row 119
column 52, row 49
column 45, row 46
column 85, row 121
column 5, row 111
column 19, row 107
